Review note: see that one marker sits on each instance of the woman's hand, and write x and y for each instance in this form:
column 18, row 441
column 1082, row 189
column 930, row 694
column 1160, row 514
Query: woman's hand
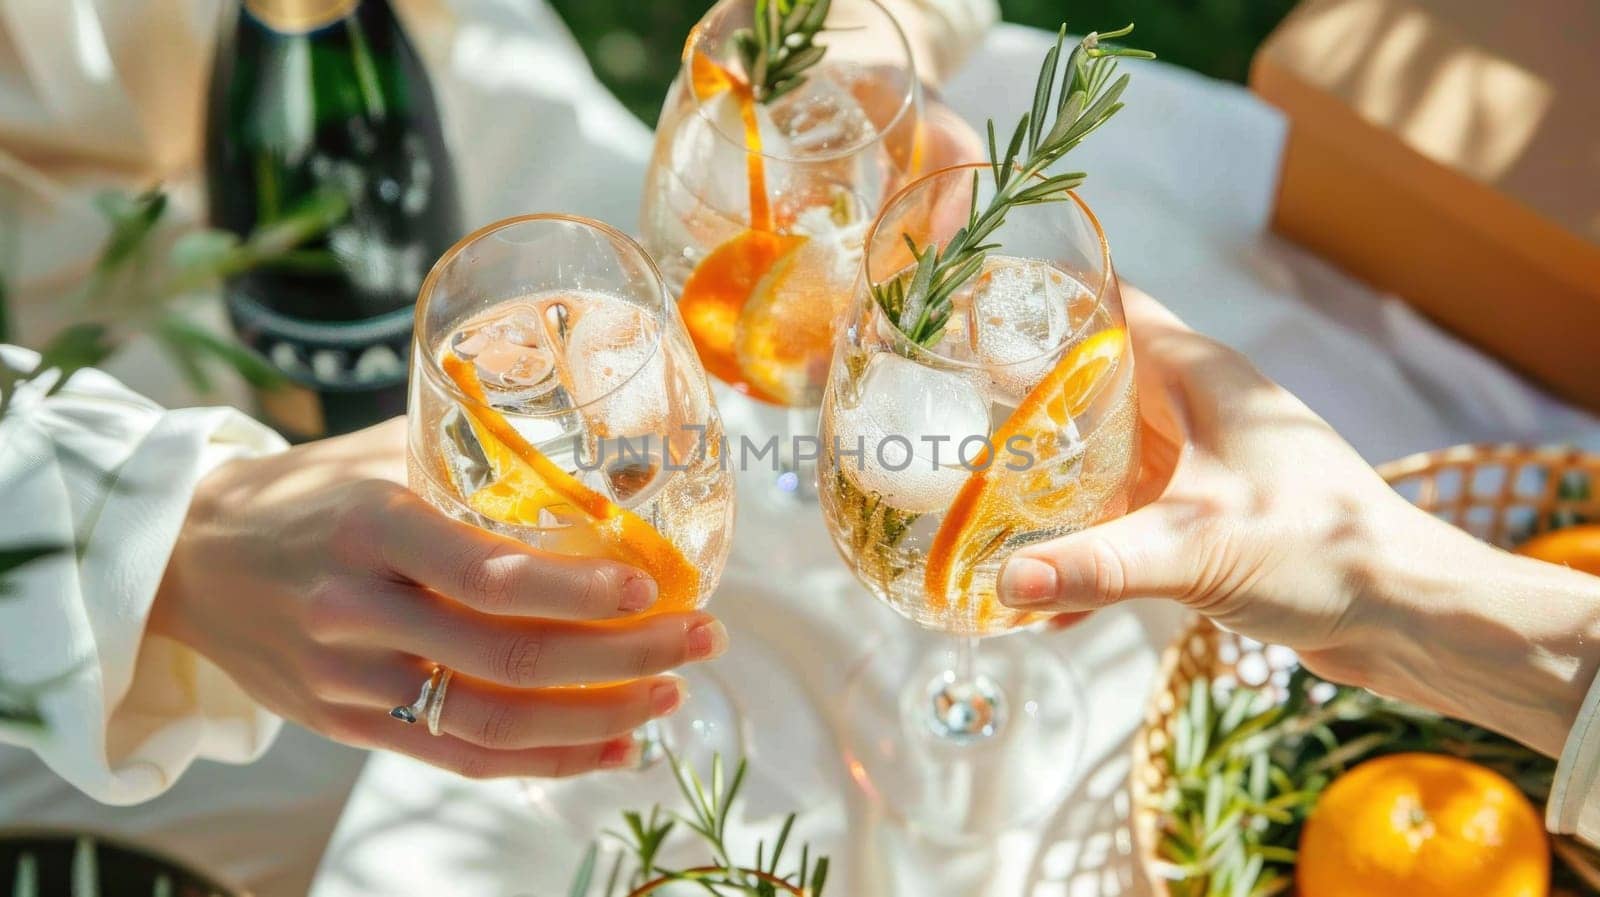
column 327, row 591
column 1252, row 511
column 1249, row 508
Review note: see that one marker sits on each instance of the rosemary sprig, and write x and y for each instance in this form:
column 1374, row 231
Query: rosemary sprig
column 919, row 303
column 709, row 808
column 781, row 45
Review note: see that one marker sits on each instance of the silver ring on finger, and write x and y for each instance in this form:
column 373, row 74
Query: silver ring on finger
column 429, row 705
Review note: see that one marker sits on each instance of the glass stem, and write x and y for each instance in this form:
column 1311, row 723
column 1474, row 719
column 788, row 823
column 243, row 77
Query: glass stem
column 965, row 705
column 966, row 665
column 796, row 477
column 652, row 741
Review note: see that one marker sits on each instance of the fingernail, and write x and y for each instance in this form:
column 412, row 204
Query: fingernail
column 1025, row 582
column 707, row 640
column 665, row 698
column 618, row 753
column 638, row 593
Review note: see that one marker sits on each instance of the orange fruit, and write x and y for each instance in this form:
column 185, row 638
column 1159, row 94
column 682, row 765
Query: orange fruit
column 987, row 510
column 528, row 485
column 715, row 294
column 1577, row 547
column 1422, row 825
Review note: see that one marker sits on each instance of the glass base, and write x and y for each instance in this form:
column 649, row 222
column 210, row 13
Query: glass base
column 956, row 757
column 708, row 723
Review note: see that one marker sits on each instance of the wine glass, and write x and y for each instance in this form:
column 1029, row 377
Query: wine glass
column 941, row 457
column 556, row 399
column 755, row 207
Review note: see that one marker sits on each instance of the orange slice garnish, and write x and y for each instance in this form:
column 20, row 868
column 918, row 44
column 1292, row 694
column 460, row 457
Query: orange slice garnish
column 784, row 339
column 528, row 484
column 715, row 294
column 989, row 509
column 709, row 78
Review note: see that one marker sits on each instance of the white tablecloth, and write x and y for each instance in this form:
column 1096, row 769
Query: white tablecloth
column 1182, row 180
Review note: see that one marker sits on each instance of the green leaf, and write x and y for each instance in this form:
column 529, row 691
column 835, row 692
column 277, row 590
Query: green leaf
column 204, row 250
column 1043, row 88
column 798, row 61
column 729, row 795
column 1008, row 167
column 777, row 847
column 817, row 16
column 585, row 874
column 85, row 869
column 917, row 291
column 614, row 877
column 132, row 218
column 1050, row 189
column 26, row 882
column 78, row 346
column 190, row 339
column 311, row 217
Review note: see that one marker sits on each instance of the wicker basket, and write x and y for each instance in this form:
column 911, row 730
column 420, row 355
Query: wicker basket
column 1499, row 493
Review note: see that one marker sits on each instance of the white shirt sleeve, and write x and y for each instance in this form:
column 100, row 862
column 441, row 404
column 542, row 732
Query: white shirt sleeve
column 102, row 468
column 1574, row 805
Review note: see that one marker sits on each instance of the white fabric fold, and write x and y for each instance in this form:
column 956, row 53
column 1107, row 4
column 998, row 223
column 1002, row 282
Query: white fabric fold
column 104, row 469
column 1574, row 805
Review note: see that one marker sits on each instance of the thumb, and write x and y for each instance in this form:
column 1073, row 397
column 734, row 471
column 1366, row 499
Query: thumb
column 1142, row 555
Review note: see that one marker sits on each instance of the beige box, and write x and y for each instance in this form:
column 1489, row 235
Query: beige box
column 1449, row 151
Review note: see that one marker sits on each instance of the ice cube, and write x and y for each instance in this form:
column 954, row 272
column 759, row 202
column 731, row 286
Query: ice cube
column 707, row 158
column 465, row 460
column 614, row 359
column 1018, row 317
column 821, row 117
column 909, row 416
column 507, row 349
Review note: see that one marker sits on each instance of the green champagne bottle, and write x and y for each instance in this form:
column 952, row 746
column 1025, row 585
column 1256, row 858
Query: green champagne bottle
column 311, row 98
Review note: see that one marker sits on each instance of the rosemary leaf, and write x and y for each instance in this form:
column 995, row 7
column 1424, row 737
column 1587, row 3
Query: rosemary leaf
column 580, row 881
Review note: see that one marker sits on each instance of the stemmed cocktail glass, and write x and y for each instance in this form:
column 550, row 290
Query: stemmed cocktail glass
column 1018, row 423
column 756, row 199
column 556, row 399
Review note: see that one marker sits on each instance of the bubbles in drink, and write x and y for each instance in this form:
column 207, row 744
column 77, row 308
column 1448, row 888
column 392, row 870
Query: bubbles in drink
column 909, row 416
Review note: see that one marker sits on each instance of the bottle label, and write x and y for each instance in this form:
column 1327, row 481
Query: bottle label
column 327, row 356
column 299, row 16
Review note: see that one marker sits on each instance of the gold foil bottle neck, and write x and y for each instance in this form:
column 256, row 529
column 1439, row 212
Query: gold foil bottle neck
column 299, row 16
